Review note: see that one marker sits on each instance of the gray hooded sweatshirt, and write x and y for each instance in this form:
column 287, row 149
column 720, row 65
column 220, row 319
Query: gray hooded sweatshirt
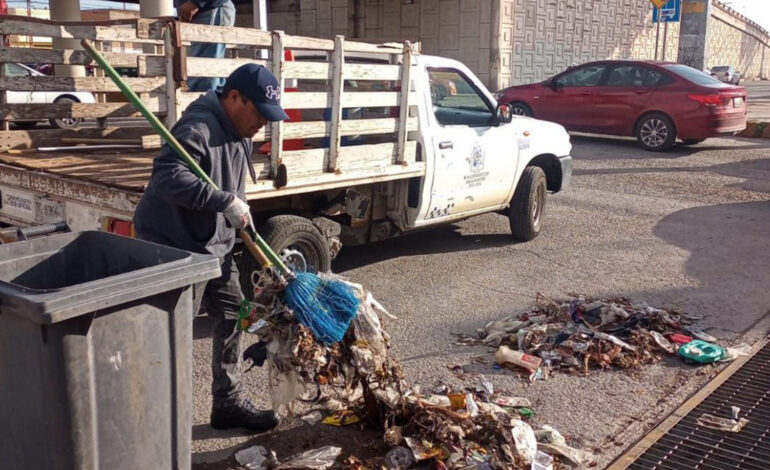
column 178, row 208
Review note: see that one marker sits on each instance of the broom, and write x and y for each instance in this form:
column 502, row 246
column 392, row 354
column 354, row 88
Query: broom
column 326, row 306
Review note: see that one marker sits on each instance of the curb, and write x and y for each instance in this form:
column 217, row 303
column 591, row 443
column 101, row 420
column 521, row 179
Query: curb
column 756, row 129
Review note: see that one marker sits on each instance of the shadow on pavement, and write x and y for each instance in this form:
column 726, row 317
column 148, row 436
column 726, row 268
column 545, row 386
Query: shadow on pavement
column 746, row 169
column 442, row 239
column 729, row 260
column 628, row 149
column 291, row 440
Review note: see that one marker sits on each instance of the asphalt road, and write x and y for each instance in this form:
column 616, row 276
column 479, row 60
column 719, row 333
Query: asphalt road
column 687, row 228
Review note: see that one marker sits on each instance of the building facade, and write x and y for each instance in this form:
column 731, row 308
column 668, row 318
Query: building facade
column 521, row 41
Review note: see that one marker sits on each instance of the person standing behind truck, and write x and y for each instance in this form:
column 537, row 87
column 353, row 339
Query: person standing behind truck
column 179, row 209
column 209, row 12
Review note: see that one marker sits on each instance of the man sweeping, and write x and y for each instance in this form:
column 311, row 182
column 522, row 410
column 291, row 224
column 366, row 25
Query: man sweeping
column 181, row 210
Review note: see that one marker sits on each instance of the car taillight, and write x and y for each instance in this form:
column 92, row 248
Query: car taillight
column 708, row 100
column 119, row 227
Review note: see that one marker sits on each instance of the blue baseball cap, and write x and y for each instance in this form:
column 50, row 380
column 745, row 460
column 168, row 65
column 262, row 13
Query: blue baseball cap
column 260, row 86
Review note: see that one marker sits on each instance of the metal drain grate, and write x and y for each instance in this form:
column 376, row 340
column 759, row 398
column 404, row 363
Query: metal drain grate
column 679, row 443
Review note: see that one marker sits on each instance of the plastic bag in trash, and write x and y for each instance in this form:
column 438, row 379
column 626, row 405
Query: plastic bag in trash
column 542, row 461
column 701, row 352
column 316, row 459
column 252, row 458
column 524, row 439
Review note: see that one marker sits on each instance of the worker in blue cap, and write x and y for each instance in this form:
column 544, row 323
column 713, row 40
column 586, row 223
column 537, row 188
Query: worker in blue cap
column 179, row 209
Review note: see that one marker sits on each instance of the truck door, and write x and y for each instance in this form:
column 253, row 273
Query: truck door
column 475, row 159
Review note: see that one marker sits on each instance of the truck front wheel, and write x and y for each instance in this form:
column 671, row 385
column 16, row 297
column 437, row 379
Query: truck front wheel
column 528, row 205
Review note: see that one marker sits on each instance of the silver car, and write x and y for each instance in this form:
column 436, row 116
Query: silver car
column 726, row 74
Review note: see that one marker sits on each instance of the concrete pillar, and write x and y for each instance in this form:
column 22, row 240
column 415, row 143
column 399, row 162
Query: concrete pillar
column 693, row 33
column 155, row 9
column 67, row 10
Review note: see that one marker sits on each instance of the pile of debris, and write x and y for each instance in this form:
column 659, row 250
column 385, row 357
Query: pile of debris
column 451, row 429
column 582, row 333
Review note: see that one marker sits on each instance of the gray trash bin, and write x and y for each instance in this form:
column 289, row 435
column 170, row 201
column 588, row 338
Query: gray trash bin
column 96, row 353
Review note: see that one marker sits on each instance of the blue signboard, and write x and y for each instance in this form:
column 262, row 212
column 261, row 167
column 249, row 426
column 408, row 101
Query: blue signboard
column 671, row 11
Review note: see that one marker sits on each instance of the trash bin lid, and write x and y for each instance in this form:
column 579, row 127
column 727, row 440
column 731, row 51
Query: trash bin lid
column 58, row 277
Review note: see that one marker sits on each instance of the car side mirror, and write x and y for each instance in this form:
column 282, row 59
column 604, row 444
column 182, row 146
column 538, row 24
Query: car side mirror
column 503, row 114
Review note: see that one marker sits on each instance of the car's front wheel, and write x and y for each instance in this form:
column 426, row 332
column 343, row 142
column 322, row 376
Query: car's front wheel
column 527, row 209
column 655, row 132
column 521, row 109
column 65, row 123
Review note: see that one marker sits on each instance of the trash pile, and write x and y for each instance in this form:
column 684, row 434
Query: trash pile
column 356, row 380
column 582, row 333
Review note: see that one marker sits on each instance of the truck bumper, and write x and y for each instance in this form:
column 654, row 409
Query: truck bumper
column 566, row 171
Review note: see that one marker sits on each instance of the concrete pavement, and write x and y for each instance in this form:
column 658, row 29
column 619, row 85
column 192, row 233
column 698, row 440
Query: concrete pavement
column 686, row 228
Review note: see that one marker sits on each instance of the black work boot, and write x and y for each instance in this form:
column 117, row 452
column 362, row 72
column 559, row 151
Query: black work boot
column 242, row 414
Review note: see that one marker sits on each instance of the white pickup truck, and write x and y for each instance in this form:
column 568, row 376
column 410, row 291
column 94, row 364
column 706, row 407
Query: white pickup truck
column 356, row 166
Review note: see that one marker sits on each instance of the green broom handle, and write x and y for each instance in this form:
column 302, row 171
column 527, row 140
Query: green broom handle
column 173, row 143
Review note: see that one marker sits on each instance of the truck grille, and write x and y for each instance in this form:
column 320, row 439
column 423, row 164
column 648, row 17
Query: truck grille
column 679, row 442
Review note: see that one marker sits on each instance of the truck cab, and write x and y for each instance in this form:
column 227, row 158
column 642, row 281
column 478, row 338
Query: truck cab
column 475, row 153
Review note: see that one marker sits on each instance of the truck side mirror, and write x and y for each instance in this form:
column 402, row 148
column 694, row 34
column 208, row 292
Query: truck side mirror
column 503, row 114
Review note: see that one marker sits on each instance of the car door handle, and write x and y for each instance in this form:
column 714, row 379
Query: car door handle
column 447, row 144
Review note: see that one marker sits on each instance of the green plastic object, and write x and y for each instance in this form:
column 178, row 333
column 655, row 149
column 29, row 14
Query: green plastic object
column 701, row 352
column 526, row 412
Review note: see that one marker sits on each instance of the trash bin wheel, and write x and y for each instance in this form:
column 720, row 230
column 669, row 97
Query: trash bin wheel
column 527, row 208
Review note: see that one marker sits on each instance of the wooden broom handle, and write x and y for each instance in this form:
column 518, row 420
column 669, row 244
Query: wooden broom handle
column 254, row 249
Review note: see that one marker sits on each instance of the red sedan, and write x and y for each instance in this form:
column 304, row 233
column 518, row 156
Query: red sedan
column 654, row 101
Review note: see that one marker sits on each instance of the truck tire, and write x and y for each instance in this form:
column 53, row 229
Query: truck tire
column 298, row 242
column 528, row 205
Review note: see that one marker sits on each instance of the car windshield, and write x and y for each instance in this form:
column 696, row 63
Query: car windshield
column 692, row 75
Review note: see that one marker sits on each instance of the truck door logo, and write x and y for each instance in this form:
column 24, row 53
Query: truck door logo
column 476, row 159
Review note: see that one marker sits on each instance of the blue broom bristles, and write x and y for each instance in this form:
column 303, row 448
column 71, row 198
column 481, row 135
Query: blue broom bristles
column 325, row 306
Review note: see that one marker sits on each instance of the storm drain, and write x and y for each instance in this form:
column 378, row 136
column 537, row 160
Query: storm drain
column 680, row 442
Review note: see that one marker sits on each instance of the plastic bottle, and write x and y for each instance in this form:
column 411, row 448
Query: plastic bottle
column 506, row 355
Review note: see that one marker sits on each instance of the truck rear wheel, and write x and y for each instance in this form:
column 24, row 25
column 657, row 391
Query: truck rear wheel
column 528, row 205
column 296, row 240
